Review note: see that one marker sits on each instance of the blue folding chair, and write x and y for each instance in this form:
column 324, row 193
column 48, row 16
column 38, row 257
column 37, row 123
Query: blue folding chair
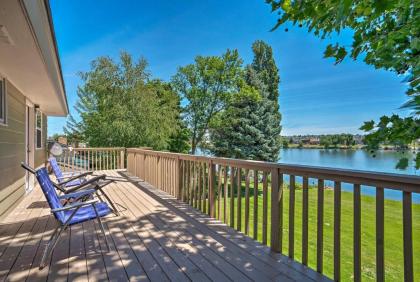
column 71, row 184
column 67, row 179
column 84, row 208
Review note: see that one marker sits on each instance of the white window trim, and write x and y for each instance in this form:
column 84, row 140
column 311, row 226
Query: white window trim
column 3, row 121
column 36, row 129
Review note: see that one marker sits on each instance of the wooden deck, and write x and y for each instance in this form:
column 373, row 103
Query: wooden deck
column 155, row 238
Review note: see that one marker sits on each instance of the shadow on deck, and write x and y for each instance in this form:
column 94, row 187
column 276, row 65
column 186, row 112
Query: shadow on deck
column 155, row 238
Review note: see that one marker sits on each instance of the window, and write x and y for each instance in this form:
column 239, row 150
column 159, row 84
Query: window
column 38, row 129
column 2, row 101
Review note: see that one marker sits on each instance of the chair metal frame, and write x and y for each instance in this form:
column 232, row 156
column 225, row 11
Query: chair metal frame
column 82, row 199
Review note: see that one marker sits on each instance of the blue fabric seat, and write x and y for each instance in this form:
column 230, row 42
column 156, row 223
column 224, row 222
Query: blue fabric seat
column 83, row 214
column 87, row 213
column 61, row 176
column 84, row 208
column 78, row 181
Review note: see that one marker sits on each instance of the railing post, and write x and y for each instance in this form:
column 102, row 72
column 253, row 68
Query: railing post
column 275, row 211
column 178, row 179
column 122, row 160
column 212, row 174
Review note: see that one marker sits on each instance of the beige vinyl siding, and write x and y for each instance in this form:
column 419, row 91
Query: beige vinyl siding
column 41, row 154
column 12, row 151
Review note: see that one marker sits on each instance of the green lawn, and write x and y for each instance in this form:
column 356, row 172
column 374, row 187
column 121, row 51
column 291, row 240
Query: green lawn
column 394, row 263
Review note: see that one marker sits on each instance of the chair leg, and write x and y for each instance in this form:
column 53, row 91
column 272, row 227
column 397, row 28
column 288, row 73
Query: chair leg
column 51, row 245
column 102, row 227
column 54, row 239
column 114, row 208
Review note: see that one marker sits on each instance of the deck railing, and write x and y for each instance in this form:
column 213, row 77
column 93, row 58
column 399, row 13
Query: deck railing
column 92, row 159
column 211, row 185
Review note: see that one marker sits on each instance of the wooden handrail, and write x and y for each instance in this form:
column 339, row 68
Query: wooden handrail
column 410, row 183
column 220, row 187
column 92, row 159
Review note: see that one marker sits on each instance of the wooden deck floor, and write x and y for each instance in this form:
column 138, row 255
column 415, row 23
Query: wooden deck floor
column 155, row 238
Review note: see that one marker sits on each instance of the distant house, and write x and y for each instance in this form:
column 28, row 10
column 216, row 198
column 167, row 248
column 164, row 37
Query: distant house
column 314, row 140
column 31, row 88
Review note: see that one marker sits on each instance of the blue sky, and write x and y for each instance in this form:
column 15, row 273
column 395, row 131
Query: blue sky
column 316, row 97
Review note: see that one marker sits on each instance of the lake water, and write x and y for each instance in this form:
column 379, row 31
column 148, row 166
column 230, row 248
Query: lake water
column 384, row 161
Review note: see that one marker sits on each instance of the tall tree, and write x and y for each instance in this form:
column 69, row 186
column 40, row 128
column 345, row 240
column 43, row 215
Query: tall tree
column 234, row 132
column 266, row 69
column 385, row 33
column 119, row 105
column 206, row 87
column 263, row 75
column 250, row 126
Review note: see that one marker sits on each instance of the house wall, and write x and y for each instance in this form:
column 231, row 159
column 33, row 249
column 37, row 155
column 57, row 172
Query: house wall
column 13, row 151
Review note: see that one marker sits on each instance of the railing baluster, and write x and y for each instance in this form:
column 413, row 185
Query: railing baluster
column 265, row 206
column 200, row 186
column 380, row 276
column 408, row 237
column 187, row 188
column 232, row 197
column 239, row 198
column 195, row 186
column 320, row 227
column 212, row 175
column 292, row 217
column 205, row 187
column 275, row 212
column 357, row 234
column 255, row 235
column 219, row 192
column 305, row 218
column 225, row 179
column 337, row 229
column 247, row 201
column 192, row 184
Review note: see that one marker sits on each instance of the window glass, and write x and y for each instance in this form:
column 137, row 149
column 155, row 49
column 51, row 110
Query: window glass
column 38, row 129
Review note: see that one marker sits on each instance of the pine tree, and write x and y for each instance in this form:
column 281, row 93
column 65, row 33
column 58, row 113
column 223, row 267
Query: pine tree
column 234, row 132
column 263, row 75
column 268, row 122
column 250, row 128
column 266, row 69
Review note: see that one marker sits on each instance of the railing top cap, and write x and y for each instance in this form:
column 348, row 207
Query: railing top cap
column 357, row 176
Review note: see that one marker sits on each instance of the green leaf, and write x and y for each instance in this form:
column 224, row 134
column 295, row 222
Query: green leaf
column 367, row 126
column 402, row 164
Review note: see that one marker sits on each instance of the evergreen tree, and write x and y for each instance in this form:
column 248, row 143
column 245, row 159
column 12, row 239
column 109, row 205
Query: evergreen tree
column 263, row 75
column 250, row 126
column 234, row 132
column 266, row 69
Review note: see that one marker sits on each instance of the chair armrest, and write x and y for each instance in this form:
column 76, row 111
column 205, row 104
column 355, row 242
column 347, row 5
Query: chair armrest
column 75, row 177
column 75, row 205
column 74, row 173
column 88, row 182
column 77, row 195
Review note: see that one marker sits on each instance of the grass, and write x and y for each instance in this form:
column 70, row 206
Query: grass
column 394, row 262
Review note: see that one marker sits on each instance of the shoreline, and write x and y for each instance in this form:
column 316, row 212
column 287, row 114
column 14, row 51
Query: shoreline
column 356, row 147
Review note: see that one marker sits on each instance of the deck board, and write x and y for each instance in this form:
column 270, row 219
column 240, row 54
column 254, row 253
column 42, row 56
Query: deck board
column 155, row 238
